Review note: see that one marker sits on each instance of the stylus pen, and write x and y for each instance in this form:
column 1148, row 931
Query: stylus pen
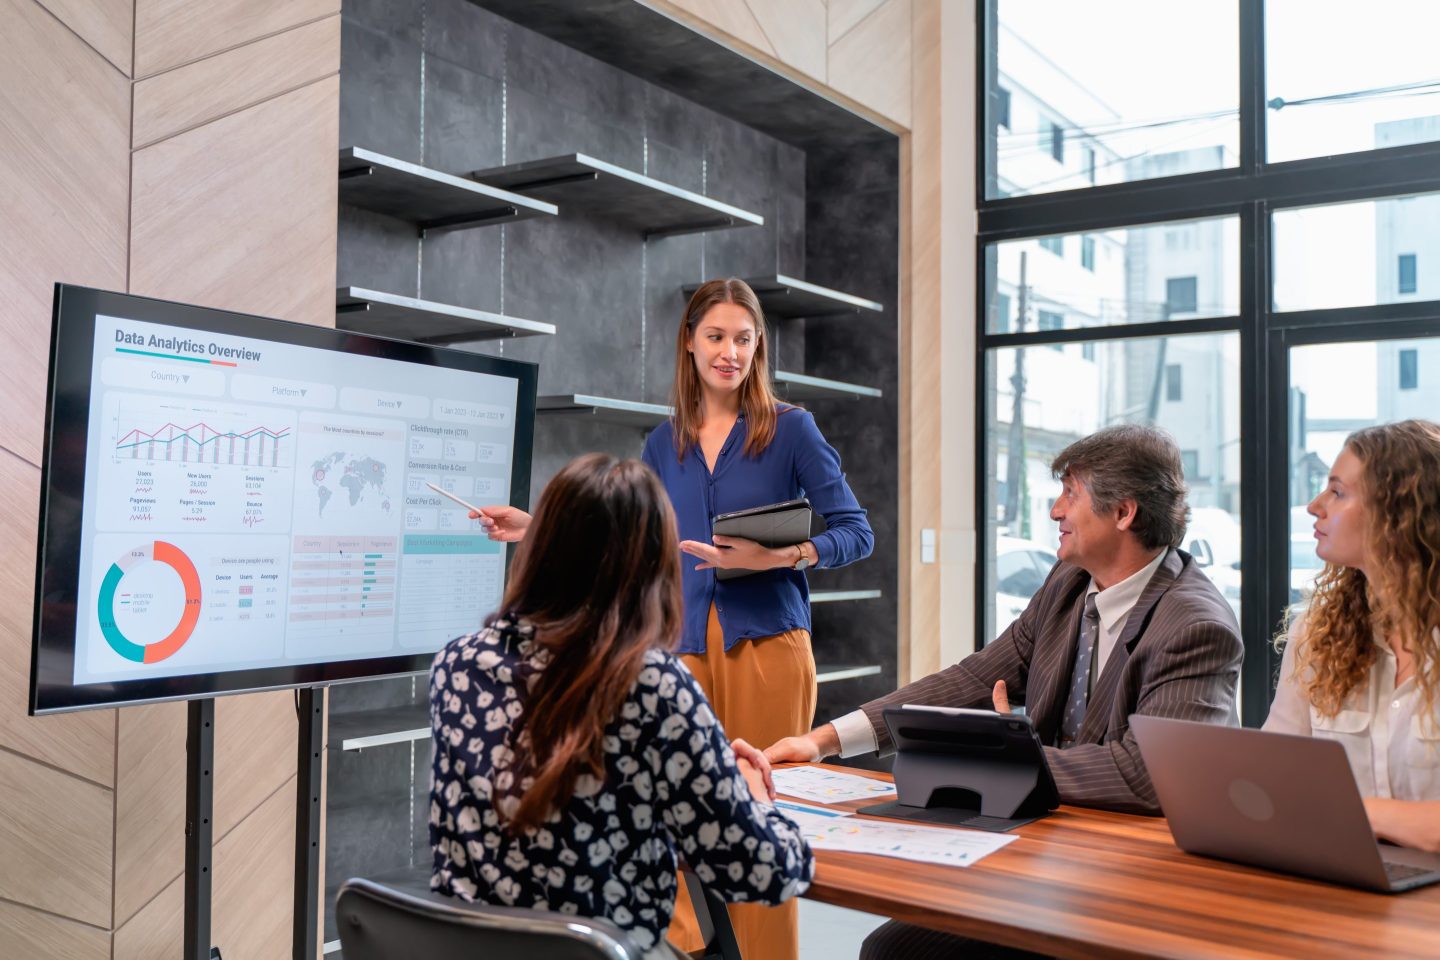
column 446, row 493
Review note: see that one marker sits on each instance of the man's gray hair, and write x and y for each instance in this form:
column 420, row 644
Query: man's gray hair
column 1132, row 462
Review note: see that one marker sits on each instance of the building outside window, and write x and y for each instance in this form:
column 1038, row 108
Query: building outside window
column 1087, row 253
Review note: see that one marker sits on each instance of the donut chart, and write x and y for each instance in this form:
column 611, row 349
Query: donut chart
column 158, row 551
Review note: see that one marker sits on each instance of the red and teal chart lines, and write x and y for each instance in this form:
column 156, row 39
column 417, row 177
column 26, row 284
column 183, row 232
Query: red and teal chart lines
column 202, row 443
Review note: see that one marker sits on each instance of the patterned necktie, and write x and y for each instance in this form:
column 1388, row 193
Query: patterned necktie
column 1079, row 698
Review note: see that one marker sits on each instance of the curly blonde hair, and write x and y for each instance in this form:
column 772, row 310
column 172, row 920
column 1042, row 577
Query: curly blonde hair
column 1401, row 600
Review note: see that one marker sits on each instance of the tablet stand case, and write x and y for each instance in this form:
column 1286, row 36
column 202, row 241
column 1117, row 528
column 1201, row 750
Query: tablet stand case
column 967, row 770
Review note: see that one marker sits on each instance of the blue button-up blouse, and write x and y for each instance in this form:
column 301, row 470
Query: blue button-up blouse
column 797, row 463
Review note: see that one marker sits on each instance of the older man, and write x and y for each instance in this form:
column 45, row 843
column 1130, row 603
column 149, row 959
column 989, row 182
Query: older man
column 1126, row 623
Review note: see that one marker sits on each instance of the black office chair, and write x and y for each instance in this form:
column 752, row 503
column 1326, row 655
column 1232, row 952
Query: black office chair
column 379, row 922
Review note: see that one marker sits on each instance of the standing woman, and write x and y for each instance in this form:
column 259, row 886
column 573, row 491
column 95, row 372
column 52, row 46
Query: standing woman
column 1362, row 665
column 732, row 445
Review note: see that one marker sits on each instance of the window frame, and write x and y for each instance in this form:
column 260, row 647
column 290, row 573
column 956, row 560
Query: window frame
column 1252, row 190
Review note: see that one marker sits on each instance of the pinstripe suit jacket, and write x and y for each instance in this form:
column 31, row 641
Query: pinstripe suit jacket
column 1179, row 656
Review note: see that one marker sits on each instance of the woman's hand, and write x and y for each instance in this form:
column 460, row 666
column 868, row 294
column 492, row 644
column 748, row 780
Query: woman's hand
column 506, row 524
column 756, row 769
column 1409, row 823
column 729, row 553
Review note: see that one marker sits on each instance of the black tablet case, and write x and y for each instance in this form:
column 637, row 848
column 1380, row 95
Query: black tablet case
column 773, row 525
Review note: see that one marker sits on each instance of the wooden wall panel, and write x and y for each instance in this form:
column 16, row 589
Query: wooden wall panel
column 169, row 33
column 870, row 63
column 732, row 18
column 952, row 272
column 251, row 898
column 158, row 930
column 240, row 213
column 82, row 743
column 844, row 14
column 255, row 740
column 255, row 880
column 922, row 382
column 64, row 161
column 797, row 32
column 27, row 933
column 55, row 839
column 188, row 96
column 106, row 25
column 149, row 804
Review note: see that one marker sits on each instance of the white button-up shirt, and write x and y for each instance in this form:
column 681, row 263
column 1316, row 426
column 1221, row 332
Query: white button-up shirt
column 1113, row 604
column 1393, row 750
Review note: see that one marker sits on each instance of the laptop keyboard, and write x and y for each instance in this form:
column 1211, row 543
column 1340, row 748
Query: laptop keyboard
column 1400, row 872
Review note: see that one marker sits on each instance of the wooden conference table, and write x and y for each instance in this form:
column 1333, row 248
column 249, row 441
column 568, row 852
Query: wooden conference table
column 1086, row 883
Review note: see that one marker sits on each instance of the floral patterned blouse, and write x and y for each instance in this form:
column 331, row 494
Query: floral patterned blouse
column 671, row 783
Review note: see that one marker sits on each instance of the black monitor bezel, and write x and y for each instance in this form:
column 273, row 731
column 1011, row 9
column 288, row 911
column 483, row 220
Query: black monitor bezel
column 67, row 411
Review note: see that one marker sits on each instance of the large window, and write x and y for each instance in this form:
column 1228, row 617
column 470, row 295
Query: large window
column 1343, row 76
column 1337, row 388
column 1139, row 88
column 1253, row 190
column 1350, row 254
column 1041, row 400
column 1124, row 275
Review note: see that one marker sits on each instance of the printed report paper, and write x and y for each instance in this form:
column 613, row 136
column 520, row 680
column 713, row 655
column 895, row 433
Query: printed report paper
column 829, row 786
column 952, row 846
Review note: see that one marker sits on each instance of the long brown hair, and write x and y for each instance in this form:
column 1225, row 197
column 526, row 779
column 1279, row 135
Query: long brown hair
column 598, row 576
column 1401, row 491
column 757, row 397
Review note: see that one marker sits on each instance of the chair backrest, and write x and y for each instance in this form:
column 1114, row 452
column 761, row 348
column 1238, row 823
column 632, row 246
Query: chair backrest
column 377, row 922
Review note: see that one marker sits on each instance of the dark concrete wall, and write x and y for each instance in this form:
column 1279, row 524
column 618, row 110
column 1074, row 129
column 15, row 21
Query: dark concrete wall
column 852, row 244
column 449, row 85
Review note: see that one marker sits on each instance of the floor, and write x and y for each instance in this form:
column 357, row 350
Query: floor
column 832, row 933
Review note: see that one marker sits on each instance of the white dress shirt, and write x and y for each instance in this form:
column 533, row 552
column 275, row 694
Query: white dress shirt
column 1393, row 750
column 1113, row 604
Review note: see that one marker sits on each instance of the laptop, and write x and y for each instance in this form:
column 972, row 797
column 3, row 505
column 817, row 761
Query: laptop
column 1272, row 800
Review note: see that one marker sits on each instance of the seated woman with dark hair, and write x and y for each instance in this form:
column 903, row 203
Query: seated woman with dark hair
column 574, row 754
column 1362, row 665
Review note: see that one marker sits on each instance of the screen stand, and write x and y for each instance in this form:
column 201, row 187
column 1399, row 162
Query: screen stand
column 199, row 828
column 309, row 769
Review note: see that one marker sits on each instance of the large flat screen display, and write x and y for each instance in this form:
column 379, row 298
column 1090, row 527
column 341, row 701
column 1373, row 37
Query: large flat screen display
column 235, row 503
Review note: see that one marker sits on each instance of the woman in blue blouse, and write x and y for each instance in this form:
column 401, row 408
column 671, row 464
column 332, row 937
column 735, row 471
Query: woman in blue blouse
column 574, row 755
column 730, row 446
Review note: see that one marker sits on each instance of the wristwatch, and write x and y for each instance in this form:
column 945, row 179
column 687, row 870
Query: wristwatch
column 803, row 561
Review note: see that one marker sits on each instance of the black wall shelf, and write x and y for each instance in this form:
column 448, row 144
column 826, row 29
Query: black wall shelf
column 653, row 207
column 782, row 296
column 630, row 413
column 408, row 318
column 430, row 199
column 798, row 386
